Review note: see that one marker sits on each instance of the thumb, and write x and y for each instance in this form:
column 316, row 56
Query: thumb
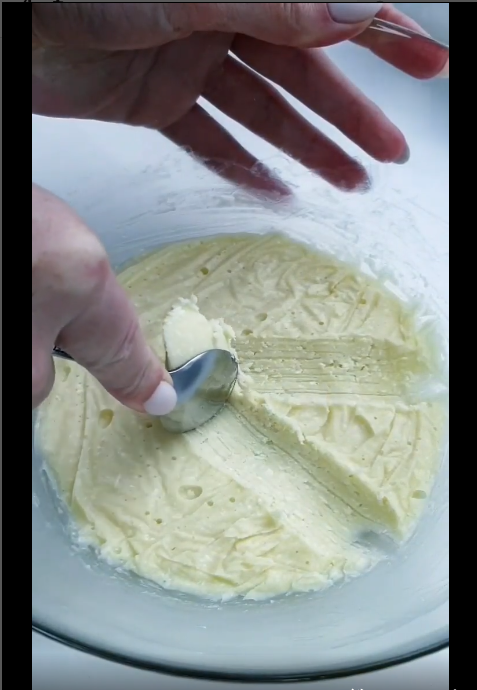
column 79, row 305
column 302, row 24
column 127, row 26
column 107, row 340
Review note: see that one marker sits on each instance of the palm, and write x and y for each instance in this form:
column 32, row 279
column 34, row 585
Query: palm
column 154, row 87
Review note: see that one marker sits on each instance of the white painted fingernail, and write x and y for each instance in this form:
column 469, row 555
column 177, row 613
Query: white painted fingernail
column 353, row 12
column 444, row 73
column 162, row 401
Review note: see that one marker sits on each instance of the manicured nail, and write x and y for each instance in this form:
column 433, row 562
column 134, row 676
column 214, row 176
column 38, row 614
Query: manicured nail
column 162, row 401
column 353, row 12
column 444, row 73
column 405, row 157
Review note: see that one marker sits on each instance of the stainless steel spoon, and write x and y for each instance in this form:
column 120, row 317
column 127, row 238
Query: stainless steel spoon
column 203, row 386
column 396, row 30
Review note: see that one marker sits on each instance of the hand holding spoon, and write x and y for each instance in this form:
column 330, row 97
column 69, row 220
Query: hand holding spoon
column 203, row 386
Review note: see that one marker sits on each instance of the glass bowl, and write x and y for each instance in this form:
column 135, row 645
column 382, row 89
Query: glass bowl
column 138, row 192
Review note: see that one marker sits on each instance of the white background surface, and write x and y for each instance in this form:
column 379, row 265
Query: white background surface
column 54, row 666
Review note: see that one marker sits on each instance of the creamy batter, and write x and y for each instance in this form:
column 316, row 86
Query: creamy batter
column 323, row 439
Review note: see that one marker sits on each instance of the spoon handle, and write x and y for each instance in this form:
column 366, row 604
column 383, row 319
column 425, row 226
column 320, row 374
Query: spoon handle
column 61, row 354
column 397, row 30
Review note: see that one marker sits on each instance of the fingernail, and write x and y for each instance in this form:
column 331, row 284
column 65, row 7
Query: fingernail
column 405, row 157
column 353, row 12
column 444, row 73
column 162, row 401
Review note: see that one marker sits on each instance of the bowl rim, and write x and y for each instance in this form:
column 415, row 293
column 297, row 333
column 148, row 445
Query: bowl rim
column 236, row 677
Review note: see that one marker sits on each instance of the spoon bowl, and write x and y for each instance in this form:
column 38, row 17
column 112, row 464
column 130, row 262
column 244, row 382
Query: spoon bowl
column 203, row 386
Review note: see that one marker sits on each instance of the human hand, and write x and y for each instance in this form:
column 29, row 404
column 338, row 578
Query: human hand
column 147, row 64
column 77, row 304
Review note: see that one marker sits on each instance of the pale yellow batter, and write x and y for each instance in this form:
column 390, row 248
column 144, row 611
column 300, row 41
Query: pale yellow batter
column 323, row 438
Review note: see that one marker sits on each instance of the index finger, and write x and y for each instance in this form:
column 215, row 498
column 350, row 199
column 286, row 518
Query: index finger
column 419, row 59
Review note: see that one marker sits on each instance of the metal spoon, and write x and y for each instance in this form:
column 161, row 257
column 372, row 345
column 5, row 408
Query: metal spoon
column 401, row 31
column 203, row 386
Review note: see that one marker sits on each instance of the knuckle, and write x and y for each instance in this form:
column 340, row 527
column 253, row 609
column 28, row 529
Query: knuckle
column 296, row 19
column 69, row 261
column 124, row 348
column 93, row 269
column 129, row 373
column 173, row 20
column 135, row 387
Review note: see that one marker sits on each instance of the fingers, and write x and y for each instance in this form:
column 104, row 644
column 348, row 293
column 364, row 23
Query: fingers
column 205, row 138
column 312, row 78
column 417, row 58
column 253, row 102
column 78, row 305
column 303, row 24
